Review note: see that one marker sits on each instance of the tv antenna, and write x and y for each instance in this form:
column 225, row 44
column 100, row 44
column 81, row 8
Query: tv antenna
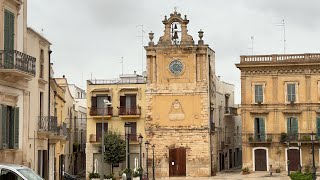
column 283, row 24
column 122, row 64
column 142, row 49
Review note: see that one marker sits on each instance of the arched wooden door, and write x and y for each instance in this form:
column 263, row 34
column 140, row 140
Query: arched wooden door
column 260, row 159
column 177, row 162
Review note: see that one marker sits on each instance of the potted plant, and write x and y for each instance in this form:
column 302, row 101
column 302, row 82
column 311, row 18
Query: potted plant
column 278, row 170
column 305, row 138
column 94, row 176
column 126, row 172
column 283, row 137
column 245, row 170
column 136, row 175
column 269, row 139
column 109, row 177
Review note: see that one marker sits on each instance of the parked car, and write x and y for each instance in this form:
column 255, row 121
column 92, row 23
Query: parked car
column 17, row 172
column 67, row 176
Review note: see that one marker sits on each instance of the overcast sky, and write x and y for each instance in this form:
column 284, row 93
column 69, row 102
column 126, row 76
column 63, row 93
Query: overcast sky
column 91, row 36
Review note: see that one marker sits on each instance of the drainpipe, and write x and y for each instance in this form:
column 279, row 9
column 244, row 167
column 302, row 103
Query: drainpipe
column 49, row 78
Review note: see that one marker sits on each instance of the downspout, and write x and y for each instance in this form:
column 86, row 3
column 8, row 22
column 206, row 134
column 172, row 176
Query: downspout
column 49, row 79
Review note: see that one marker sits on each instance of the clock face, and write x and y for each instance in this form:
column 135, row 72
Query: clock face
column 176, row 67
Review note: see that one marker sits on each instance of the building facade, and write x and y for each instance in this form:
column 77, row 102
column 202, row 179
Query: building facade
column 227, row 128
column 178, row 101
column 279, row 110
column 127, row 97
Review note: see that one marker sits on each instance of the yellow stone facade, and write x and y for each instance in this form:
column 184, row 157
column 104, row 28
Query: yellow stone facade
column 288, row 93
column 127, row 85
column 178, row 101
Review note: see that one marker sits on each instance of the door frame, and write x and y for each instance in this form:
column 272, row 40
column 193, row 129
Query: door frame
column 286, row 155
column 176, row 150
column 254, row 159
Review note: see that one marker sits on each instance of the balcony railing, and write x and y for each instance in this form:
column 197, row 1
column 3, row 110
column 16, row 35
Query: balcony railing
column 280, row 137
column 260, row 137
column 230, row 111
column 138, row 80
column 48, row 123
column 135, row 110
column 12, row 59
column 62, row 130
column 94, row 111
column 279, row 58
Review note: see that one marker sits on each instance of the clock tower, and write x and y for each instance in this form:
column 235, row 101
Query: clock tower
column 179, row 96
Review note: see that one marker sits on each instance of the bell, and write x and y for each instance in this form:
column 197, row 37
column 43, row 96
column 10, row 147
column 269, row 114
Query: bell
column 175, row 36
column 175, row 26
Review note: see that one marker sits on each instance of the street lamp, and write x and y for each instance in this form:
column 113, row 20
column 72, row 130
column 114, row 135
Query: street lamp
column 105, row 104
column 127, row 127
column 153, row 162
column 299, row 145
column 140, row 162
column 147, row 147
column 313, row 163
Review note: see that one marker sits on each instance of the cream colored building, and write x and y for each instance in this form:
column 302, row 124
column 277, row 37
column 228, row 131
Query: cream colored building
column 180, row 101
column 280, row 97
column 127, row 96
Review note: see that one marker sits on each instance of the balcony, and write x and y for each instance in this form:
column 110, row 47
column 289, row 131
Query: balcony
column 230, row 111
column 47, row 125
column 94, row 111
column 260, row 138
column 129, row 112
column 304, row 138
column 15, row 64
column 60, row 134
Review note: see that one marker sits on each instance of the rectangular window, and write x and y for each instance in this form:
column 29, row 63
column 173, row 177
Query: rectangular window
column 259, row 129
column 98, row 106
column 133, row 135
column 10, row 127
column 41, row 104
column 128, row 105
column 318, row 127
column 41, row 63
column 291, row 92
column 258, row 93
column 99, row 130
column 292, row 128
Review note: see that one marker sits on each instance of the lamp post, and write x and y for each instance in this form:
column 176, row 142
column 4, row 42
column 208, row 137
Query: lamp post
column 106, row 103
column 140, row 160
column 153, row 162
column 147, row 147
column 288, row 161
column 299, row 145
column 313, row 163
column 127, row 127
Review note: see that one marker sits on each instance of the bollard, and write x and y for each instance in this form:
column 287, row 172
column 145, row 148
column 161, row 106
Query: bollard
column 270, row 170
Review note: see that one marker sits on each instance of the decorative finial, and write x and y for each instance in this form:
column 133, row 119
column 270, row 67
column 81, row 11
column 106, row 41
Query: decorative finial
column 151, row 43
column 185, row 17
column 165, row 18
column 175, row 9
column 200, row 42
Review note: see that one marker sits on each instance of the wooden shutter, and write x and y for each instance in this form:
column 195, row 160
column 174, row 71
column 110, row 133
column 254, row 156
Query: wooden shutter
column 93, row 101
column 294, row 124
column 133, row 100
column 16, row 128
column 262, row 129
column 98, row 131
column 8, row 30
column 133, row 131
column 318, row 127
column 4, row 127
column 122, row 101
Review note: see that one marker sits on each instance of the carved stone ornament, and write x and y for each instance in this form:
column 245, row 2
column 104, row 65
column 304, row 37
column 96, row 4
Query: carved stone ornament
column 176, row 112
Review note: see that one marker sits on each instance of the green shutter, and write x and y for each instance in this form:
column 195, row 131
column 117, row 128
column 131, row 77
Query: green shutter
column 262, row 129
column 294, row 124
column 4, row 127
column 8, row 39
column 318, row 127
column 16, row 128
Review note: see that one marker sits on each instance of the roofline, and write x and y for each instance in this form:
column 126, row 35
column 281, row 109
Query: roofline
column 39, row 35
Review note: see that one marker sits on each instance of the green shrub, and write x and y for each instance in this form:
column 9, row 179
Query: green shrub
column 283, row 137
column 94, row 175
column 246, row 169
column 250, row 139
column 305, row 138
column 300, row 176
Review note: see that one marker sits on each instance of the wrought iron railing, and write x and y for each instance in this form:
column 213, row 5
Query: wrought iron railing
column 231, row 110
column 94, row 111
column 12, row 59
column 280, row 137
column 62, row 130
column 48, row 123
column 134, row 110
column 260, row 137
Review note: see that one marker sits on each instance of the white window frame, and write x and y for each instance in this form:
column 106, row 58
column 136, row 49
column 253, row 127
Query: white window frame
column 254, row 92
column 296, row 91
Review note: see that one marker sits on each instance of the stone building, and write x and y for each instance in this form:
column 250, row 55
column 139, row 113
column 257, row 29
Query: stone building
column 280, row 108
column 227, row 127
column 127, row 97
column 180, row 101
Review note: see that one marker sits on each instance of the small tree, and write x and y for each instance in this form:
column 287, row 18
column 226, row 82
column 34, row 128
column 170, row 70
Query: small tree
column 115, row 149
